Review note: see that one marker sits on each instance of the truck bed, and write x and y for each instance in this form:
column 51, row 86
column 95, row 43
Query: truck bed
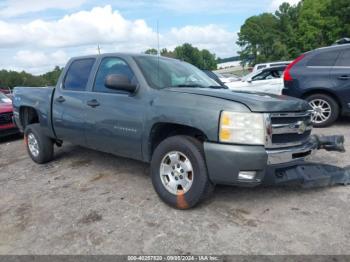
column 37, row 98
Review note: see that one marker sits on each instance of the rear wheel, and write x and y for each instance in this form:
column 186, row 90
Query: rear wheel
column 179, row 173
column 325, row 110
column 39, row 146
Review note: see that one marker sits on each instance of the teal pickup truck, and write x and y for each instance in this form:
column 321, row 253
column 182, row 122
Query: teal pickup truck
column 194, row 132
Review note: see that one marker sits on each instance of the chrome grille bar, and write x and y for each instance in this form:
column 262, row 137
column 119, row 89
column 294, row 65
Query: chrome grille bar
column 294, row 130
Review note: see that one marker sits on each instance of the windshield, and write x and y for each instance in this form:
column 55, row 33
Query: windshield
column 163, row 73
column 4, row 99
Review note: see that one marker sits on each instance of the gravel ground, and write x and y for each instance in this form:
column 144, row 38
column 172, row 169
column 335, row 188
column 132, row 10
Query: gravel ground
column 86, row 202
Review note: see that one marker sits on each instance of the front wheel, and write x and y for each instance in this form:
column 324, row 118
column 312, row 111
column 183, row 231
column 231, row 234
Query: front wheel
column 39, row 146
column 325, row 110
column 179, row 173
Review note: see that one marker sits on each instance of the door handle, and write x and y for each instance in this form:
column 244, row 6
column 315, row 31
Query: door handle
column 344, row 77
column 60, row 99
column 93, row 103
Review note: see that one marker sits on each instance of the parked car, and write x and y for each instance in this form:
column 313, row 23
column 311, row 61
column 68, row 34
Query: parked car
column 214, row 76
column 322, row 77
column 258, row 67
column 220, row 78
column 7, row 126
column 267, row 80
column 226, row 77
column 166, row 112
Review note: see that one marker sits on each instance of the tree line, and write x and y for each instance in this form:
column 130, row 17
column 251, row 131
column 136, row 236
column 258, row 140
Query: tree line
column 12, row 78
column 293, row 30
column 202, row 59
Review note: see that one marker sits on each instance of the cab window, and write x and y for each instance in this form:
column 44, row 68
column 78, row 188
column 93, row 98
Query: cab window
column 108, row 66
column 78, row 74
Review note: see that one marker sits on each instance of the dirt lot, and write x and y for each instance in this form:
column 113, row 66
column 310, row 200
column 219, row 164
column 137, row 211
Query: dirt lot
column 86, row 202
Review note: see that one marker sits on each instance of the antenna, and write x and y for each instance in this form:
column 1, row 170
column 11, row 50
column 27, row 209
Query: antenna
column 158, row 38
column 158, row 53
column 98, row 49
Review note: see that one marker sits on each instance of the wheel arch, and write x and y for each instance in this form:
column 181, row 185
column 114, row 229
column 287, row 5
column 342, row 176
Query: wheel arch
column 28, row 115
column 162, row 130
column 323, row 92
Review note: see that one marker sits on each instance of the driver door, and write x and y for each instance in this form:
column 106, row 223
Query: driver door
column 114, row 122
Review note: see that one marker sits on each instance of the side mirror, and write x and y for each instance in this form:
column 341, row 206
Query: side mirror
column 119, row 82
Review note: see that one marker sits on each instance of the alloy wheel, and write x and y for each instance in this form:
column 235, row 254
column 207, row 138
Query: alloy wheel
column 176, row 173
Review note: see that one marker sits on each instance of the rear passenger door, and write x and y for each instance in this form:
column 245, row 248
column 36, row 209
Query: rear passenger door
column 115, row 123
column 69, row 108
column 341, row 77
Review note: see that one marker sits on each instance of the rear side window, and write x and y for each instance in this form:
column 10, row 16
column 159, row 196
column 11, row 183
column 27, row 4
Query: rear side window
column 344, row 59
column 78, row 74
column 324, row 58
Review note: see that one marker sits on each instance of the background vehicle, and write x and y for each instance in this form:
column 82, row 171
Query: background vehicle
column 267, row 80
column 226, row 77
column 7, row 127
column 214, row 76
column 220, row 78
column 6, row 91
column 322, row 77
column 258, row 67
column 194, row 132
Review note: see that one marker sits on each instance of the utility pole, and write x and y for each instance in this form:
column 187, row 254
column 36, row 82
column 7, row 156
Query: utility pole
column 98, row 49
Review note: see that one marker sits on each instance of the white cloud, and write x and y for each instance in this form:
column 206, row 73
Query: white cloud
column 39, row 62
column 187, row 7
column 80, row 32
column 274, row 5
column 212, row 37
column 100, row 25
column 17, row 7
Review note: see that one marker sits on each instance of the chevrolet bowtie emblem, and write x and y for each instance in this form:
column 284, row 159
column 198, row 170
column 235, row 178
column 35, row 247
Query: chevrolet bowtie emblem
column 301, row 127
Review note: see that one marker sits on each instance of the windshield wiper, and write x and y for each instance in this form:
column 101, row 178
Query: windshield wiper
column 190, row 85
column 218, row 87
column 200, row 86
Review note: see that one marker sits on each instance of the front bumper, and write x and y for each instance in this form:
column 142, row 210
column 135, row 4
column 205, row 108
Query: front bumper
column 225, row 162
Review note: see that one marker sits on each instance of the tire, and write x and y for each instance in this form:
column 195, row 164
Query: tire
column 315, row 101
column 197, row 181
column 43, row 145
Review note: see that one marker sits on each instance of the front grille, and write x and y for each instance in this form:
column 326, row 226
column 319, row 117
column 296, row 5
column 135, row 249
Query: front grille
column 6, row 118
column 289, row 129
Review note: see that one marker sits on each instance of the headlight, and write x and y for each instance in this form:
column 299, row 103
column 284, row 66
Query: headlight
column 242, row 128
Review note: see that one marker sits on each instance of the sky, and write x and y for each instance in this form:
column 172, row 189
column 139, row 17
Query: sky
column 36, row 35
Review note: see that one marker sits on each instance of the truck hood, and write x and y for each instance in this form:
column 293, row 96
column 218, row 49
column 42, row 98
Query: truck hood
column 256, row 102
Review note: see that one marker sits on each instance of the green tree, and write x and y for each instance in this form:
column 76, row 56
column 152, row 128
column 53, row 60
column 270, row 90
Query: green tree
column 51, row 77
column 165, row 52
column 151, row 51
column 292, row 30
column 12, row 78
column 257, row 38
column 203, row 59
